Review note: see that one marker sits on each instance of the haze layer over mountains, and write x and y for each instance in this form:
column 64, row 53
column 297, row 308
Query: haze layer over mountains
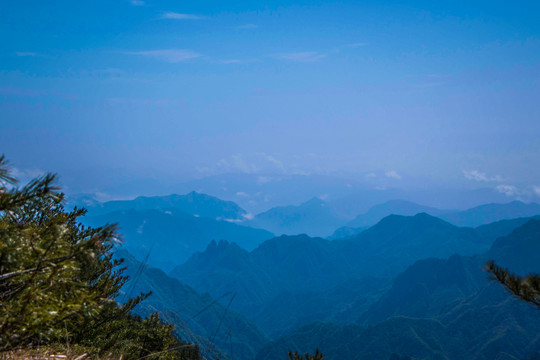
column 300, row 277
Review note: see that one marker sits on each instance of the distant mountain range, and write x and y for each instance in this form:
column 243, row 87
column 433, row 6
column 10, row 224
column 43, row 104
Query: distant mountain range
column 489, row 213
column 473, row 217
column 414, row 279
column 361, row 200
column 172, row 236
column 437, row 309
column 194, row 203
column 314, row 217
column 393, row 207
column 397, row 241
column 282, row 270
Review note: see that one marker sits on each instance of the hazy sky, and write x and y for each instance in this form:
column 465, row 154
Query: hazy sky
column 116, row 90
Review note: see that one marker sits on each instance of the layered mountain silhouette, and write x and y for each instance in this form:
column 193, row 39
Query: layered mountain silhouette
column 172, row 236
column 314, row 217
column 393, row 207
column 194, row 203
column 398, row 241
column 198, row 318
column 489, row 213
column 285, row 271
column 473, row 217
column 396, row 282
column 438, row 309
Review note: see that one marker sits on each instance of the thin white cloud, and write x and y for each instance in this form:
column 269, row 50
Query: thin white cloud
column 230, row 61
column 246, row 27
column 480, row 176
column 370, row 175
column 242, row 194
column 24, row 175
column 167, row 55
column 536, row 190
column 11, row 91
column 393, row 174
column 261, row 180
column 358, row 44
column 235, row 61
column 237, row 163
column 306, row 56
column 137, row 2
column 180, row 16
column 249, row 216
column 508, row 190
column 275, row 162
column 26, row 54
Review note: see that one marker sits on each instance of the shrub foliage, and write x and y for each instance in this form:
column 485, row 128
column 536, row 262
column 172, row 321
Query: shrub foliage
column 58, row 281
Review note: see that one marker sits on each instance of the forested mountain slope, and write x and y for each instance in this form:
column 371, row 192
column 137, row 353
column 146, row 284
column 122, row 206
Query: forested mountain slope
column 219, row 331
column 438, row 309
column 284, row 272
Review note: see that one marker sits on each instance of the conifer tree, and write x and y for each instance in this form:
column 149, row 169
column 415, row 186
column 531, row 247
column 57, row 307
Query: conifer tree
column 58, row 281
column 526, row 288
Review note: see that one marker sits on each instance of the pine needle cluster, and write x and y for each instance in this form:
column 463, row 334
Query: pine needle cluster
column 526, row 288
column 59, row 282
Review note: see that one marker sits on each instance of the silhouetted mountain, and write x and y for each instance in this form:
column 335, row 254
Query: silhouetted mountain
column 285, row 271
column 173, row 236
column 194, row 203
column 260, row 192
column 519, row 251
column 489, row 213
column 398, row 241
column 367, row 197
column 283, row 264
column 427, row 287
column 275, row 285
column 197, row 317
column 314, row 217
column 341, row 303
column 224, row 267
column 430, row 285
column 418, row 338
column 393, row 207
column 500, row 228
column 506, row 328
column 459, row 313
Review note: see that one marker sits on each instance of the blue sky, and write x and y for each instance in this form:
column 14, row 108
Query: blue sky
column 439, row 93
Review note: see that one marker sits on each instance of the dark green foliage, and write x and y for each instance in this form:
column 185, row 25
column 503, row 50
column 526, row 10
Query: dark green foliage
column 316, row 356
column 58, row 281
column 132, row 337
